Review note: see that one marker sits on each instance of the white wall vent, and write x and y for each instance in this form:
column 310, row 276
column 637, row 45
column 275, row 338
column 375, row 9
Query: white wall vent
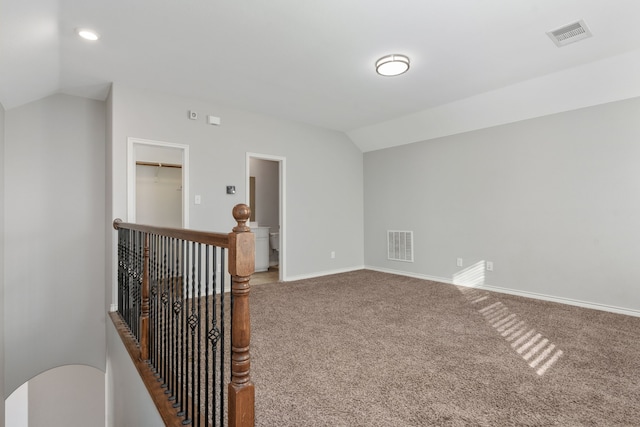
column 400, row 245
column 570, row 33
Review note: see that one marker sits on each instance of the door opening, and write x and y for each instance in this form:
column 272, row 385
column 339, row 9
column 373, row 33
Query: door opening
column 266, row 195
column 157, row 183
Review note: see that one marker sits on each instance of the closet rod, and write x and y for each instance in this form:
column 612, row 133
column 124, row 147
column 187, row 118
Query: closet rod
column 163, row 165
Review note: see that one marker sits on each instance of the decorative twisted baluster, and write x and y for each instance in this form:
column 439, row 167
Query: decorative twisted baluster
column 144, row 306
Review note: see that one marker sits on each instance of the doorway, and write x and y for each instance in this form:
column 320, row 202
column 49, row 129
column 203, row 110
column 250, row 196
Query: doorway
column 158, row 183
column 266, row 195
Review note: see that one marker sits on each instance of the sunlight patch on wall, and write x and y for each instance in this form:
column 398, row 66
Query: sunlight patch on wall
column 537, row 351
column 470, row 276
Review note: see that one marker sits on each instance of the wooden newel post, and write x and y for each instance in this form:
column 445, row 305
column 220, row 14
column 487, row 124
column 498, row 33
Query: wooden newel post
column 241, row 267
column 144, row 306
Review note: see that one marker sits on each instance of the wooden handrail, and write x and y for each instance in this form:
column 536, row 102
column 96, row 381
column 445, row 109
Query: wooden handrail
column 215, row 239
column 241, row 245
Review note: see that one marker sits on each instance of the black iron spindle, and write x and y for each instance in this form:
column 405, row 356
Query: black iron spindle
column 182, row 331
column 222, row 328
column 198, row 413
column 206, row 324
column 168, row 334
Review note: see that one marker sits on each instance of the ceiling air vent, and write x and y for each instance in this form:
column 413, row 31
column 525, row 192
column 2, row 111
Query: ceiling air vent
column 570, row 33
column 400, row 245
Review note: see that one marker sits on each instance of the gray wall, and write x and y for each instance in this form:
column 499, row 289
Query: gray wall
column 69, row 396
column 2, row 322
column 324, row 172
column 55, row 204
column 129, row 401
column 553, row 202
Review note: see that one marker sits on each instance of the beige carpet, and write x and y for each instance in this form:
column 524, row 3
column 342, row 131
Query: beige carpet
column 374, row 349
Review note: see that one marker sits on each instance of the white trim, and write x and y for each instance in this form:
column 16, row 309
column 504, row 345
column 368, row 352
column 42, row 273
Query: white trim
column 409, row 274
column 114, row 308
column 131, row 176
column 526, row 294
column 325, row 273
column 282, row 162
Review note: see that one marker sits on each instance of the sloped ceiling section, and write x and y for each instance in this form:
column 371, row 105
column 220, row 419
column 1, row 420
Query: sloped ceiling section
column 603, row 81
column 29, row 51
column 473, row 63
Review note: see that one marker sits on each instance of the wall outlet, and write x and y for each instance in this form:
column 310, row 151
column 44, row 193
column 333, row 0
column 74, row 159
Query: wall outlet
column 197, row 200
column 489, row 265
column 459, row 262
column 333, row 254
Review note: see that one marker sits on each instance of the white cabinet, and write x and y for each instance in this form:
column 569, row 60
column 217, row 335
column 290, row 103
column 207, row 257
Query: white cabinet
column 262, row 248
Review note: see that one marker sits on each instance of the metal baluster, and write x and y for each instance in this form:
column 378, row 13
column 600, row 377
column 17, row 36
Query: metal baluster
column 198, row 413
column 175, row 336
column 159, row 326
column 121, row 244
column 162, row 312
column 127, row 279
column 181, row 332
column 206, row 322
column 167, row 299
column 153, row 290
column 222, row 328
column 193, row 321
column 138, row 285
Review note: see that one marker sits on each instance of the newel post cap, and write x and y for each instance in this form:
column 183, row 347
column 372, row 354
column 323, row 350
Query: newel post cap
column 241, row 213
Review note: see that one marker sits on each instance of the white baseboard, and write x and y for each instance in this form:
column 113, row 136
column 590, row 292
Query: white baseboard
column 526, row 294
column 322, row 273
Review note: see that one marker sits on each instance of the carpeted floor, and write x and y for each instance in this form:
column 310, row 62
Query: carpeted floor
column 373, row 349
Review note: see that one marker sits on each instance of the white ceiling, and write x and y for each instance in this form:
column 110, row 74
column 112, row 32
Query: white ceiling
column 312, row 61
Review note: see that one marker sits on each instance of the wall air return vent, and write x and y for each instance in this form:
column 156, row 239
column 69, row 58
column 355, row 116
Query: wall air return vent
column 400, row 245
column 570, row 33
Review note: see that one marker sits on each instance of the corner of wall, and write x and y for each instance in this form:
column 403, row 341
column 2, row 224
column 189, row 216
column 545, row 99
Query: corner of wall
column 108, row 252
column 2, row 262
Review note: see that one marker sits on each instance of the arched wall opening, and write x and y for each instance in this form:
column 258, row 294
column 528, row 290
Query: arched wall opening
column 66, row 396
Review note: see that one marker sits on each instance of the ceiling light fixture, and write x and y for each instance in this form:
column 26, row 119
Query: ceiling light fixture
column 392, row 65
column 88, row 34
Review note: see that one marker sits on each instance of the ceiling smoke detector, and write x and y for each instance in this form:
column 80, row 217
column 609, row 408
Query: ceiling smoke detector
column 570, row 33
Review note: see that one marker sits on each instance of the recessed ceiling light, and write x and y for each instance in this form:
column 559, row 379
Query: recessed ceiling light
column 392, row 65
column 88, row 34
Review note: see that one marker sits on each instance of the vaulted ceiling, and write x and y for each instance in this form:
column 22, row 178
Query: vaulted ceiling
column 474, row 63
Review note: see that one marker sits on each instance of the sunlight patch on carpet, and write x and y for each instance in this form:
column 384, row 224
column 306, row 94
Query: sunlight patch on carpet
column 531, row 345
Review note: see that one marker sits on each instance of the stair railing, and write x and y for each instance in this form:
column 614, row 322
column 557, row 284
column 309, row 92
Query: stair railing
column 173, row 314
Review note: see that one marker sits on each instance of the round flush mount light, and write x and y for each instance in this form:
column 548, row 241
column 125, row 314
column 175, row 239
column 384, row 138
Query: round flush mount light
column 392, row 65
column 88, row 34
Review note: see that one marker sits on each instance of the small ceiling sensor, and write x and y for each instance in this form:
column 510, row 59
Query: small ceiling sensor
column 88, row 34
